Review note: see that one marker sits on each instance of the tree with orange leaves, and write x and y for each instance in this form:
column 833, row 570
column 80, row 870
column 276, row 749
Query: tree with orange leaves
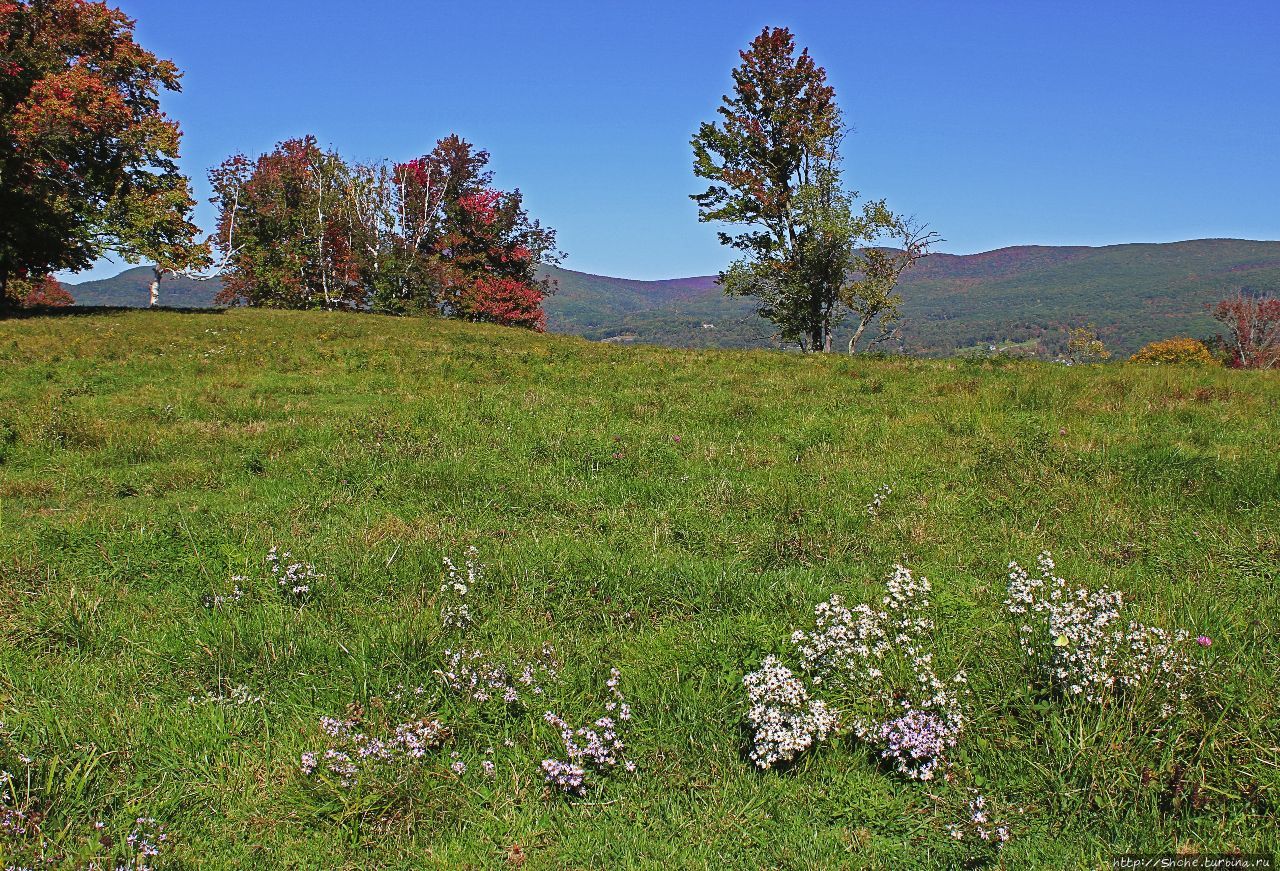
column 88, row 161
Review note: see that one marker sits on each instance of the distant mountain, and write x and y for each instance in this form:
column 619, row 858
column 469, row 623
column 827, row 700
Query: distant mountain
column 1022, row 298
column 132, row 288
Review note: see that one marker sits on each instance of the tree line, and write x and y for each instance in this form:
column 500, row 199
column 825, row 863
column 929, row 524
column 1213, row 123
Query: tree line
column 89, row 165
column 300, row 227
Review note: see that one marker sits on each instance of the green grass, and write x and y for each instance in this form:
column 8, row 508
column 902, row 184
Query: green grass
column 146, row 457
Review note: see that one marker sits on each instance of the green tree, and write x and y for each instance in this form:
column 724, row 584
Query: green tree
column 1084, row 346
column 773, row 161
column 156, row 227
column 87, row 159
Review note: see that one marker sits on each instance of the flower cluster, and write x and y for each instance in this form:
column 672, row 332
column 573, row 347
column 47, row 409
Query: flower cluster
column 599, row 747
column 479, row 677
column 979, row 824
column 219, row 600
column 883, row 493
column 351, row 751
column 1078, row 643
column 878, row 664
column 293, row 578
column 784, row 720
column 916, row 743
column 454, row 611
column 146, row 839
column 14, row 822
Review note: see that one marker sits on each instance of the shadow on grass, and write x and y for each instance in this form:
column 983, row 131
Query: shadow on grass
column 70, row 311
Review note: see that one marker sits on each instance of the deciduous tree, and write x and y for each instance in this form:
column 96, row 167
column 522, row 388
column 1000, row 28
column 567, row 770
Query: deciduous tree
column 283, row 229
column 85, row 152
column 1084, row 346
column 773, row 160
column 1252, row 325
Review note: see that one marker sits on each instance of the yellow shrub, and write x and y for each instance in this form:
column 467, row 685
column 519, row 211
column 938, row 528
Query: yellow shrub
column 1180, row 350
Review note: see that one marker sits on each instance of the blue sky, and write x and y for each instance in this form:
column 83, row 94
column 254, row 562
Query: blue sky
column 1009, row 123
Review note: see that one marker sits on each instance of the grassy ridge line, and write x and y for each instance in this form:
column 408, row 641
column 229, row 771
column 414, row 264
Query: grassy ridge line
column 156, row 454
column 1135, row 293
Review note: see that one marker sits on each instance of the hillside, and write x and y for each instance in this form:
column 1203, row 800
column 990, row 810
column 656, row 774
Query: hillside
column 1134, row 293
column 1025, row 296
column 673, row 514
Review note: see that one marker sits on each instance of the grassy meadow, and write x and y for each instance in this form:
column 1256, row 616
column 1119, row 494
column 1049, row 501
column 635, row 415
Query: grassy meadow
column 674, row 514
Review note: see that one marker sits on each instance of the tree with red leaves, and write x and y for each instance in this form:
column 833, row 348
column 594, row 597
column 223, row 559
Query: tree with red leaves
column 1252, row 325
column 87, row 159
column 301, row 228
column 283, row 229
column 44, row 292
column 489, row 239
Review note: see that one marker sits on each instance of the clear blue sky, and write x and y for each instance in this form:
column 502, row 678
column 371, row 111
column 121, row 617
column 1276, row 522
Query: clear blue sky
column 1017, row 122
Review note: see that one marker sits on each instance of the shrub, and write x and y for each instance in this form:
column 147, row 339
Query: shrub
column 1178, row 350
column 1252, row 325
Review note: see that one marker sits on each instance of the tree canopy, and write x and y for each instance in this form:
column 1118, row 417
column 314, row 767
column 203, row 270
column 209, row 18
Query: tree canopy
column 88, row 161
column 300, row 227
column 773, row 160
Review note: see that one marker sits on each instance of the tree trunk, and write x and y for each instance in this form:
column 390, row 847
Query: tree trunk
column 857, row 335
column 816, row 337
column 156, row 275
column 7, row 306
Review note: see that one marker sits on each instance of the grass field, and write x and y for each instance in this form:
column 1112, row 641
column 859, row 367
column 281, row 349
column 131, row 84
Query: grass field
column 673, row 514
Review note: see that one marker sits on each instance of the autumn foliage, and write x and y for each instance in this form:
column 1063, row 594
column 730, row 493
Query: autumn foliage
column 283, row 214
column 1252, row 326
column 87, row 159
column 812, row 258
column 302, row 228
column 1177, row 350
column 43, row 292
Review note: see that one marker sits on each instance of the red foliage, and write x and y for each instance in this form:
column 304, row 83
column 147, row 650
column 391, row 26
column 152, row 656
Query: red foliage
column 1253, row 330
column 482, row 206
column 47, row 293
column 504, row 301
column 43, row 292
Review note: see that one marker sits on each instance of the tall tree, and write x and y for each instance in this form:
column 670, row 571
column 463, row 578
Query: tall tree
column 85, row 152
column 773, row 161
